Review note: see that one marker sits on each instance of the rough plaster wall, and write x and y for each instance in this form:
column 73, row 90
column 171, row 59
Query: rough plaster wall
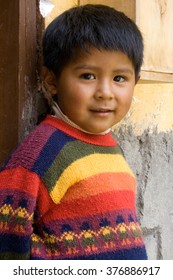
column 34, row 108
column 150, row 157
column 29, row 114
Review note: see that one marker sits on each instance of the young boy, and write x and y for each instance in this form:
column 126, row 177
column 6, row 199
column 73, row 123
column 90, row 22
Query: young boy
column 67, row 191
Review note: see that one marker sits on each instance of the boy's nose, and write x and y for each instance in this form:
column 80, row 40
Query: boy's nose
column 104, row 91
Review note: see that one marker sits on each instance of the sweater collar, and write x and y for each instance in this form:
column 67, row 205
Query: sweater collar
column 59, row 114
column 94, row 139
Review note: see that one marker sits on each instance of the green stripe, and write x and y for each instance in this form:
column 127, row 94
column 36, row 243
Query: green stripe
column 70, row 153
column 14, row 256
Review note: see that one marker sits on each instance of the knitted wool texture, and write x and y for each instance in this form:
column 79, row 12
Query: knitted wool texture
column 65, row 194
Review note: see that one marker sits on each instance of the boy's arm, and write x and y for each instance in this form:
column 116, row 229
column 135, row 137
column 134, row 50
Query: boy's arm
column 18, row 195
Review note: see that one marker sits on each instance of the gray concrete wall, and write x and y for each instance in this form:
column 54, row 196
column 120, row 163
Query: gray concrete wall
column 150, row 156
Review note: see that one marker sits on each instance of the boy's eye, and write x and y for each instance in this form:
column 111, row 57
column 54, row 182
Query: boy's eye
column 119, row 79
column 88, row 76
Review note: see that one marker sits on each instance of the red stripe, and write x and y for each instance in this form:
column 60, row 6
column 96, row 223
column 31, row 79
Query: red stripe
column 103, row 140
column 21, row 179
column 94, row 205
column 44, row 200
column 103, row 183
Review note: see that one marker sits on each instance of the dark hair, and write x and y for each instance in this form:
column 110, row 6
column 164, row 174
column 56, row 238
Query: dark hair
column 99, row 26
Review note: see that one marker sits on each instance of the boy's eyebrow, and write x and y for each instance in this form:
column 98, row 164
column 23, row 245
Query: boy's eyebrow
column 124, row 70
column 85, row 66
column 118, row 70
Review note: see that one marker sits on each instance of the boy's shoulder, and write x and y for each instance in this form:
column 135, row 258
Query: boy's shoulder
column 39, row 149
column 27, row 151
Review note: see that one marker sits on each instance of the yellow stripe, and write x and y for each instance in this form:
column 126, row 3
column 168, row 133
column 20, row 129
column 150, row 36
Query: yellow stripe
column 86, row 167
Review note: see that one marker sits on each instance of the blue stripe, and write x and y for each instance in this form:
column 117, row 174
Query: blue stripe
column 14, row 243
column 49, row 152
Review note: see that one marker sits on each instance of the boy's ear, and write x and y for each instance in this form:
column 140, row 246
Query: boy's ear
column 137, row 79
column 49, row 80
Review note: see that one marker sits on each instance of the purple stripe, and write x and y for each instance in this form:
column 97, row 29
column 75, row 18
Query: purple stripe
column 96, row 221
column 28, row 151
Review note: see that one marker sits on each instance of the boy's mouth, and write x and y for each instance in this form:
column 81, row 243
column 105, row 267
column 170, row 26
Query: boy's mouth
column 102, row 111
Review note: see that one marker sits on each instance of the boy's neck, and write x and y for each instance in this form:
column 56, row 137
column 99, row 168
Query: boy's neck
column 59, row 114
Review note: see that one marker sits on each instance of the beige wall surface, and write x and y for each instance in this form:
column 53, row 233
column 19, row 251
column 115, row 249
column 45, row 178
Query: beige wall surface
column 152, row 108
column 59, row 7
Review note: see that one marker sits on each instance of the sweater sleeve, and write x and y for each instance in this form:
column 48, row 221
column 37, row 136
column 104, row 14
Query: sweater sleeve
column 18, row 196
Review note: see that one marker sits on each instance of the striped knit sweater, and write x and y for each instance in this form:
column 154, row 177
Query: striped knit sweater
column 65, row 194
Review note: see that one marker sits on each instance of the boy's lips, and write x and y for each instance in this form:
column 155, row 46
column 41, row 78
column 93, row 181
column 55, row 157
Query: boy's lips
column 102, row 111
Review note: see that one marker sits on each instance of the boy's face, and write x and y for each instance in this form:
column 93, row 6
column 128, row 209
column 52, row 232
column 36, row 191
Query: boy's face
column 95, row 91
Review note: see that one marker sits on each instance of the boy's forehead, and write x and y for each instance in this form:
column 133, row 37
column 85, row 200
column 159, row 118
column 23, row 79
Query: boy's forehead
column 83, row 54
column 102, row 60
column 92, row 53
